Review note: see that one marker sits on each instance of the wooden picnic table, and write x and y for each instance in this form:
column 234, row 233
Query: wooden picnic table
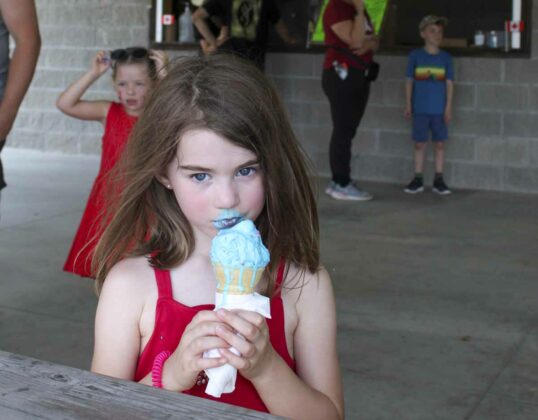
column 32, row 388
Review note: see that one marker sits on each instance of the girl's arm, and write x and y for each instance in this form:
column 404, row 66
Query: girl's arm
column 117, row 332
column 69, row 101
column 315, row 392
column 352, row 32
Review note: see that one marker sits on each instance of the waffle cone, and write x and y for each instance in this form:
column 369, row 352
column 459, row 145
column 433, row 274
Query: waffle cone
column 241, row 282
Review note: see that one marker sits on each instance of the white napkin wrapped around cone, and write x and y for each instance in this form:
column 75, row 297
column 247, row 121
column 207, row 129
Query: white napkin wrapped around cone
column 239, row 259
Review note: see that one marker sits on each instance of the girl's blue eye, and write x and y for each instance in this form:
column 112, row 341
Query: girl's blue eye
column 199, row 177
column 246, row 171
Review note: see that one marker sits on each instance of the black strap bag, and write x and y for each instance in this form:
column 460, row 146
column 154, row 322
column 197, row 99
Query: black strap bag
column 371, row 69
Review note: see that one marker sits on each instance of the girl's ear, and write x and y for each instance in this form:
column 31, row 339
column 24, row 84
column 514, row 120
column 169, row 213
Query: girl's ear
column 163, row 179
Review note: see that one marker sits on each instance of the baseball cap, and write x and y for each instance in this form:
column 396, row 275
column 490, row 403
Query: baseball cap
column 432, row 20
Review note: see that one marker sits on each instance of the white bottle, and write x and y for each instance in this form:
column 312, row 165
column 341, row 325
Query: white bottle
column 479, row 39
column 186, row 31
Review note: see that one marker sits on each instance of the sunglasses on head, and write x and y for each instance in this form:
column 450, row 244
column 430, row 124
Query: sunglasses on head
column 124, row 53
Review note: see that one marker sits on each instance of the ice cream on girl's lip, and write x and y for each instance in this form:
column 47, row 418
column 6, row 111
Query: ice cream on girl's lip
column 227, row 219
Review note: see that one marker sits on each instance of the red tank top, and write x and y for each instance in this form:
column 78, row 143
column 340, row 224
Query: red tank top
column 171, row 319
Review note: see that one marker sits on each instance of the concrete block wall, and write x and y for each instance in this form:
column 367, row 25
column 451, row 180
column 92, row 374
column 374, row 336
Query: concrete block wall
column 494, row 134
column 72, row 33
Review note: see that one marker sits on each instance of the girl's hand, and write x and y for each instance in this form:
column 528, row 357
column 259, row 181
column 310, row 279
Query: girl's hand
column 182, row 368
column 100, row 63
column 256, row 352
column 161, row 62
column 408, row 112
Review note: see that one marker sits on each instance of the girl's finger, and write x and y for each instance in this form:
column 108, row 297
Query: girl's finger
column 202, row 330
column 238, row 342
column 246, row 323
column 238, row 362
column 210, row 362
column 204, row 316
column 202, row 344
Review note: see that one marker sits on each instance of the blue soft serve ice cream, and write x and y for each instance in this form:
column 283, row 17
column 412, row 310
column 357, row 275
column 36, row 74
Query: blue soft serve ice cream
column 239, row 258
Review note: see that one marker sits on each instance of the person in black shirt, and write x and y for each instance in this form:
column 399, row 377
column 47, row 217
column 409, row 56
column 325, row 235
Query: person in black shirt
column 245, row 27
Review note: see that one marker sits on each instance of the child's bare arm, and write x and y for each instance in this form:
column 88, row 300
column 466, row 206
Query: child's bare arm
column 117, row 332
column 408, row 94
column 449, row 95
column 315, row 391
column 70, row 103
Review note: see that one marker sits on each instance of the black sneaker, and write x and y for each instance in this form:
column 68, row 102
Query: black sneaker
column 415, row 186
column 439, row 187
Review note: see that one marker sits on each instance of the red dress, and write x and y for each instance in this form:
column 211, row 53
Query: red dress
column 117, row 129
column 171, row 319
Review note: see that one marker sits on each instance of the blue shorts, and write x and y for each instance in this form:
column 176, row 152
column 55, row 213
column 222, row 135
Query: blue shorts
column 424, row 123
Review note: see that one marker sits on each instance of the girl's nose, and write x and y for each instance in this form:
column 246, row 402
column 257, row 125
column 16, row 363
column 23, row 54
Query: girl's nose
column 226, row 195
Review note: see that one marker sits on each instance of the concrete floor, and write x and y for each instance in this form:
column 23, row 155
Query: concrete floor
column 437, row 296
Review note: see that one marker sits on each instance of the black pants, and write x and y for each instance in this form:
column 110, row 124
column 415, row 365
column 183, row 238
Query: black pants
column 348, row 99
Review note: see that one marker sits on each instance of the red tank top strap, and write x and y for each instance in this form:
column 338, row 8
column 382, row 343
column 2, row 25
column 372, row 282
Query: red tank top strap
column 164, row 283
column 280, row 276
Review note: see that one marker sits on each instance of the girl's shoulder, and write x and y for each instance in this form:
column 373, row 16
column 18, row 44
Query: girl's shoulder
column 305, row 286
column 132, row 277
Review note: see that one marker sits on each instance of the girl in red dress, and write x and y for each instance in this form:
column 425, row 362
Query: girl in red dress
column 134, row 72
column 212, row 146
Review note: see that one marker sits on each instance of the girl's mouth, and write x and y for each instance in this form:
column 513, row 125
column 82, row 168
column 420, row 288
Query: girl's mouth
column 227, row 222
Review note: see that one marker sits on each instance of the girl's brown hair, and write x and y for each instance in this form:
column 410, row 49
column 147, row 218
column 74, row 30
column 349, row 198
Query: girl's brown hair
column 234, row 99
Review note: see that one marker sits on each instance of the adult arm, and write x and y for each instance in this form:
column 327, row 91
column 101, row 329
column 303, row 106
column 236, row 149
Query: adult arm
column 352, row 32
column 209, row 43
column 283, row 33
column 70, row 102
column 199, row 20
column 371, row 43
column 21, row 20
